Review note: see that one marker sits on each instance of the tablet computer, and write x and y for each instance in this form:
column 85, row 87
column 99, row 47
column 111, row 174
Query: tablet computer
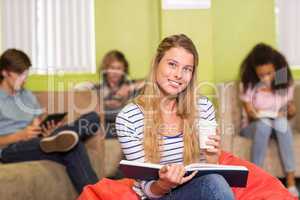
column 56, row 117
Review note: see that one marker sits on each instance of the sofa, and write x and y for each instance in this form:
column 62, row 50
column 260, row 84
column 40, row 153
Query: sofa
column 229, row 111
column 47, row 180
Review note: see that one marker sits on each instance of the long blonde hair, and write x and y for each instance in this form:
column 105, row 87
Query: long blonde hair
column 149, row 100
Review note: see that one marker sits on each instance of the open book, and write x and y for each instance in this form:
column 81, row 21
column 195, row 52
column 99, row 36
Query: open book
column 236, row 176
column 267, row 114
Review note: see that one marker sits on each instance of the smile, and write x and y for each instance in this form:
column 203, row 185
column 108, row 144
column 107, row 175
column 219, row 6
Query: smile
column 174, row 83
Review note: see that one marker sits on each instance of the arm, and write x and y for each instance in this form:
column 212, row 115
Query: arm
column 132, row 145
column 250, row 110
column 31, row 131
column 138, row 84
column 291, row 107
column 119, row 98
column 291, row 110
column 246, row 99
column 10, row 138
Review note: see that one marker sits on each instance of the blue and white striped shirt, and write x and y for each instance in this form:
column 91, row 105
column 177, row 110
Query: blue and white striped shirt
column 130, row 130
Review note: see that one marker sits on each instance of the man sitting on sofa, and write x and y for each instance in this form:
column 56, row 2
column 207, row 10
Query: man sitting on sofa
column 23, row 138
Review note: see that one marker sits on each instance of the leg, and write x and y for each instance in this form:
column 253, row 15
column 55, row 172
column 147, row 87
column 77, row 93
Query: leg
column 248, row 131
column 86, row 126
column 263, row 130
column 209, row 187
column 66, row 137
column 285, row 141
column 27, row 151
column 76, row 161
column 79, row 167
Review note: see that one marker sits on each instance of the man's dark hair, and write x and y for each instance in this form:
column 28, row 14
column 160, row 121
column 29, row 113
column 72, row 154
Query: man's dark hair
column 14, row 60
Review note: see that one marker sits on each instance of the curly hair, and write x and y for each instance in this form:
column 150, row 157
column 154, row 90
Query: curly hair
column 263, row 54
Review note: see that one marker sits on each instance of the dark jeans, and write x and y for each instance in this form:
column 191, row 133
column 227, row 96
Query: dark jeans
column 76, row 161
column 208, row 187
column 110, row 118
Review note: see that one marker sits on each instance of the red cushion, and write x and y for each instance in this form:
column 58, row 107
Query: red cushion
column 107, row 189
column 260, row 185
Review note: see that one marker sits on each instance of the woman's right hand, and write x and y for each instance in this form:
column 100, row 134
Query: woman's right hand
column 170, row 176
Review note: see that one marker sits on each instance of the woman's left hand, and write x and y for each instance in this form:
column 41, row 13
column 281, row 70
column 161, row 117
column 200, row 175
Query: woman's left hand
column 213, row 152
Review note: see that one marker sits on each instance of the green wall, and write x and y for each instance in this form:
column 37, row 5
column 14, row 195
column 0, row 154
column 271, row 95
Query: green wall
column 238, row 26
column 197, row 24
column 130, row 26
column 223, row 35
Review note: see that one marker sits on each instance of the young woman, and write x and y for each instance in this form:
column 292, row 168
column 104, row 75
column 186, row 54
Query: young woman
column 159, row 127
column 267, row 95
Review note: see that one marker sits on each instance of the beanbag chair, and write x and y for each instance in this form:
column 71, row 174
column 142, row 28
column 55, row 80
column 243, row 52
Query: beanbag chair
column 260, row 185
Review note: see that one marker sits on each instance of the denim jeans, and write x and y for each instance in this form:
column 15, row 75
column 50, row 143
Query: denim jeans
column 260, row 132
column 208, row 187
column 76, row 160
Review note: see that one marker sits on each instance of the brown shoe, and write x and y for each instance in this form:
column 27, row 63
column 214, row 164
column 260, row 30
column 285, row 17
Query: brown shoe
column 61, row 142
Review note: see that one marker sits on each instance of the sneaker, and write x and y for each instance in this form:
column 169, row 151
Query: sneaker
column 294, row 191
column 60, row 142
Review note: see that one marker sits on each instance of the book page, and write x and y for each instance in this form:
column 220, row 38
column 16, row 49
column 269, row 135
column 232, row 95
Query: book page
column 140, row 164
column 200, row 166
column 267, row 114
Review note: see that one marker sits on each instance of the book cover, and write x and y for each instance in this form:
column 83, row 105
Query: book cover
column 267, row 114
column 236, row 176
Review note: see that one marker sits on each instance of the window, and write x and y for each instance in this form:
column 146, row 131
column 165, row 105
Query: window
column 58, row 35
column 288, row 29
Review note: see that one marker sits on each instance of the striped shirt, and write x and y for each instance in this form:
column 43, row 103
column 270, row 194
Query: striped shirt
column 130, row 130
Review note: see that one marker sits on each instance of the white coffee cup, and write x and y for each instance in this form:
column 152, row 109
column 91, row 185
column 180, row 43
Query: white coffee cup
column 205, row 129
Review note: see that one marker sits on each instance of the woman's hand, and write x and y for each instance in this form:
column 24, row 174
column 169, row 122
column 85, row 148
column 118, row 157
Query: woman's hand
column 170, row 176
column 213, row 153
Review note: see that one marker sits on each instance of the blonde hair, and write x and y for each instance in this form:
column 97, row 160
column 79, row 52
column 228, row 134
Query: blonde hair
column 186, row 109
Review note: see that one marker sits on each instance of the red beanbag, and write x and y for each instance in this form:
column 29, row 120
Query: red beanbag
column 107, row 189
column 260, row 185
